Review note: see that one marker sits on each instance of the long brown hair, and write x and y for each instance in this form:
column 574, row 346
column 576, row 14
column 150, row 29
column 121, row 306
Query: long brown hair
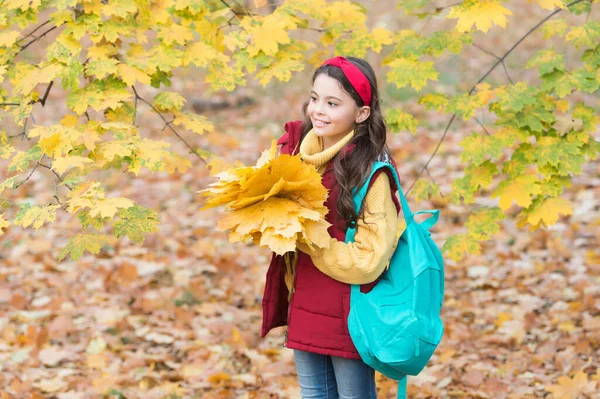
column 369, row 137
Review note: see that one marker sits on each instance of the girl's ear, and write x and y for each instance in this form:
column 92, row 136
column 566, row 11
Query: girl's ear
column 362, row 114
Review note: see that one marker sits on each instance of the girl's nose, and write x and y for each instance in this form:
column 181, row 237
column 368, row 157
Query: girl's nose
column 319, row 109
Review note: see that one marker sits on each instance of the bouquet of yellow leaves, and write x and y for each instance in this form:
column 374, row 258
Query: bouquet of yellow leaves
column 277, row 203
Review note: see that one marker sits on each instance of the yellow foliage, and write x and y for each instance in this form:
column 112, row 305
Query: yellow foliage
column 479, row 13
column 546, row 213
column 275, row 203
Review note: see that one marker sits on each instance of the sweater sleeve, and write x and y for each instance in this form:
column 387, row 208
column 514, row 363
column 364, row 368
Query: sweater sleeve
column 362, row 261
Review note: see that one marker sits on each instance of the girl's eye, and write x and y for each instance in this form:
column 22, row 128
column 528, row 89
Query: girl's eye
column 313, row 99
column 332, row 104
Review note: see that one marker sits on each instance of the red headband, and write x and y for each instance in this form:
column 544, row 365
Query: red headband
column 357, row 79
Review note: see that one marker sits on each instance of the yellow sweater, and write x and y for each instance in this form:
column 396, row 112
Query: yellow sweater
column 363, row 260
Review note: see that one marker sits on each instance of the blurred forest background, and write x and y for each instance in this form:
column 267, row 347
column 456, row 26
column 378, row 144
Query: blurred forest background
column 179, row 316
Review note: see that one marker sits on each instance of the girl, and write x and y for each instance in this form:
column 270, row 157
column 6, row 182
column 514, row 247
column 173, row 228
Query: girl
column 342, row 135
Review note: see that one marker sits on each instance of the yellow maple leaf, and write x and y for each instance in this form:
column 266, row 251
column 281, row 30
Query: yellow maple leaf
column 107, row 207
column 519, row 189
column 131, row 74
column 175, row 34
column 547, row 211
column 268, row 35
column 550, row 4
column 479, row 13
column 572, row 388
column 276, row 203
column 60, row 164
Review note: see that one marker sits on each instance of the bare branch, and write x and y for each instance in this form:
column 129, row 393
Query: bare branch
column 494, row 55
column 49, row 167
column 35, row 40
column 483, row 127
column 33, row 170
column 33, row 31
column 43, row 100
column 433, row 180
column 167, row 124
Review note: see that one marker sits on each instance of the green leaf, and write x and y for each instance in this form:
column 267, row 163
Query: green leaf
column 35, row 216
column 424, row 190
column 463, row 105
column 547, row 61
column 483, row 223
column 135, row 221
column 478, row 147
column 406, row 71
column 168, row 101
column 459, row 244
column 561, row 82
column 587, row 34
column 516, row 97
column 554, row 27
column 83, row 242
column 592, row 57
column 21, row 160
column 398, row 120
column 102, row 67
column 587, row 79
column 476, row 176
column 434, row 101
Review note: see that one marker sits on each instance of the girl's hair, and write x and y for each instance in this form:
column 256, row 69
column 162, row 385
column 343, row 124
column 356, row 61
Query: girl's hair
column 369, row 137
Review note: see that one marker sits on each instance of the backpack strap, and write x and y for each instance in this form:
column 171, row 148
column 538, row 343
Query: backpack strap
column 402, row 387
column 360, row 194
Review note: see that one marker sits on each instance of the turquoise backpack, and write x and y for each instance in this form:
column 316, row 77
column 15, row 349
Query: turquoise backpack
column 396, row 327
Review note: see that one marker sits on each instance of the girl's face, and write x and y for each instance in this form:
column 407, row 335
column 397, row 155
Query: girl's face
column 332, row 111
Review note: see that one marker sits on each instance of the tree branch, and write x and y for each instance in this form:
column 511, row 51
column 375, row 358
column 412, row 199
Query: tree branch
column 35, row 40
column 167, row 124
column 32, row 32
column 501, row 60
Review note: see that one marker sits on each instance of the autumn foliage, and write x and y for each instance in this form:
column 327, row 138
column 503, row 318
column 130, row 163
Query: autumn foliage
column 277, row 204
column 137, row 297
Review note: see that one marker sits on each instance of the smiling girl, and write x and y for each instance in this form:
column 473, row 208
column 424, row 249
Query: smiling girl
column 342, row 135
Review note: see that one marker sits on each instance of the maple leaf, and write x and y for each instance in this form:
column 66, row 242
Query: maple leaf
column 35, row 216
column 61, row 164
column 434, row 101
column 587, row 34
column 483, row 223
column 425, row 189
column 135, row 221
column 268, row 34
column 276, row 203
column 572, row 388
column 547, row 211
column 83, row 242
column 479, row 13
column 478, row 147
column 398, row 120
column 406, row 71
column 547, row 61
column 519, row 189
column 457, row 244
column 167, row 101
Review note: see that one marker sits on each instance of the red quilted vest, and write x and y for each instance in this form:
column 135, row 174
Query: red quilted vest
column 318, row 309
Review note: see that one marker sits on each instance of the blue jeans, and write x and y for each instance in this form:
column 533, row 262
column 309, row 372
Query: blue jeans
column 332, row 377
